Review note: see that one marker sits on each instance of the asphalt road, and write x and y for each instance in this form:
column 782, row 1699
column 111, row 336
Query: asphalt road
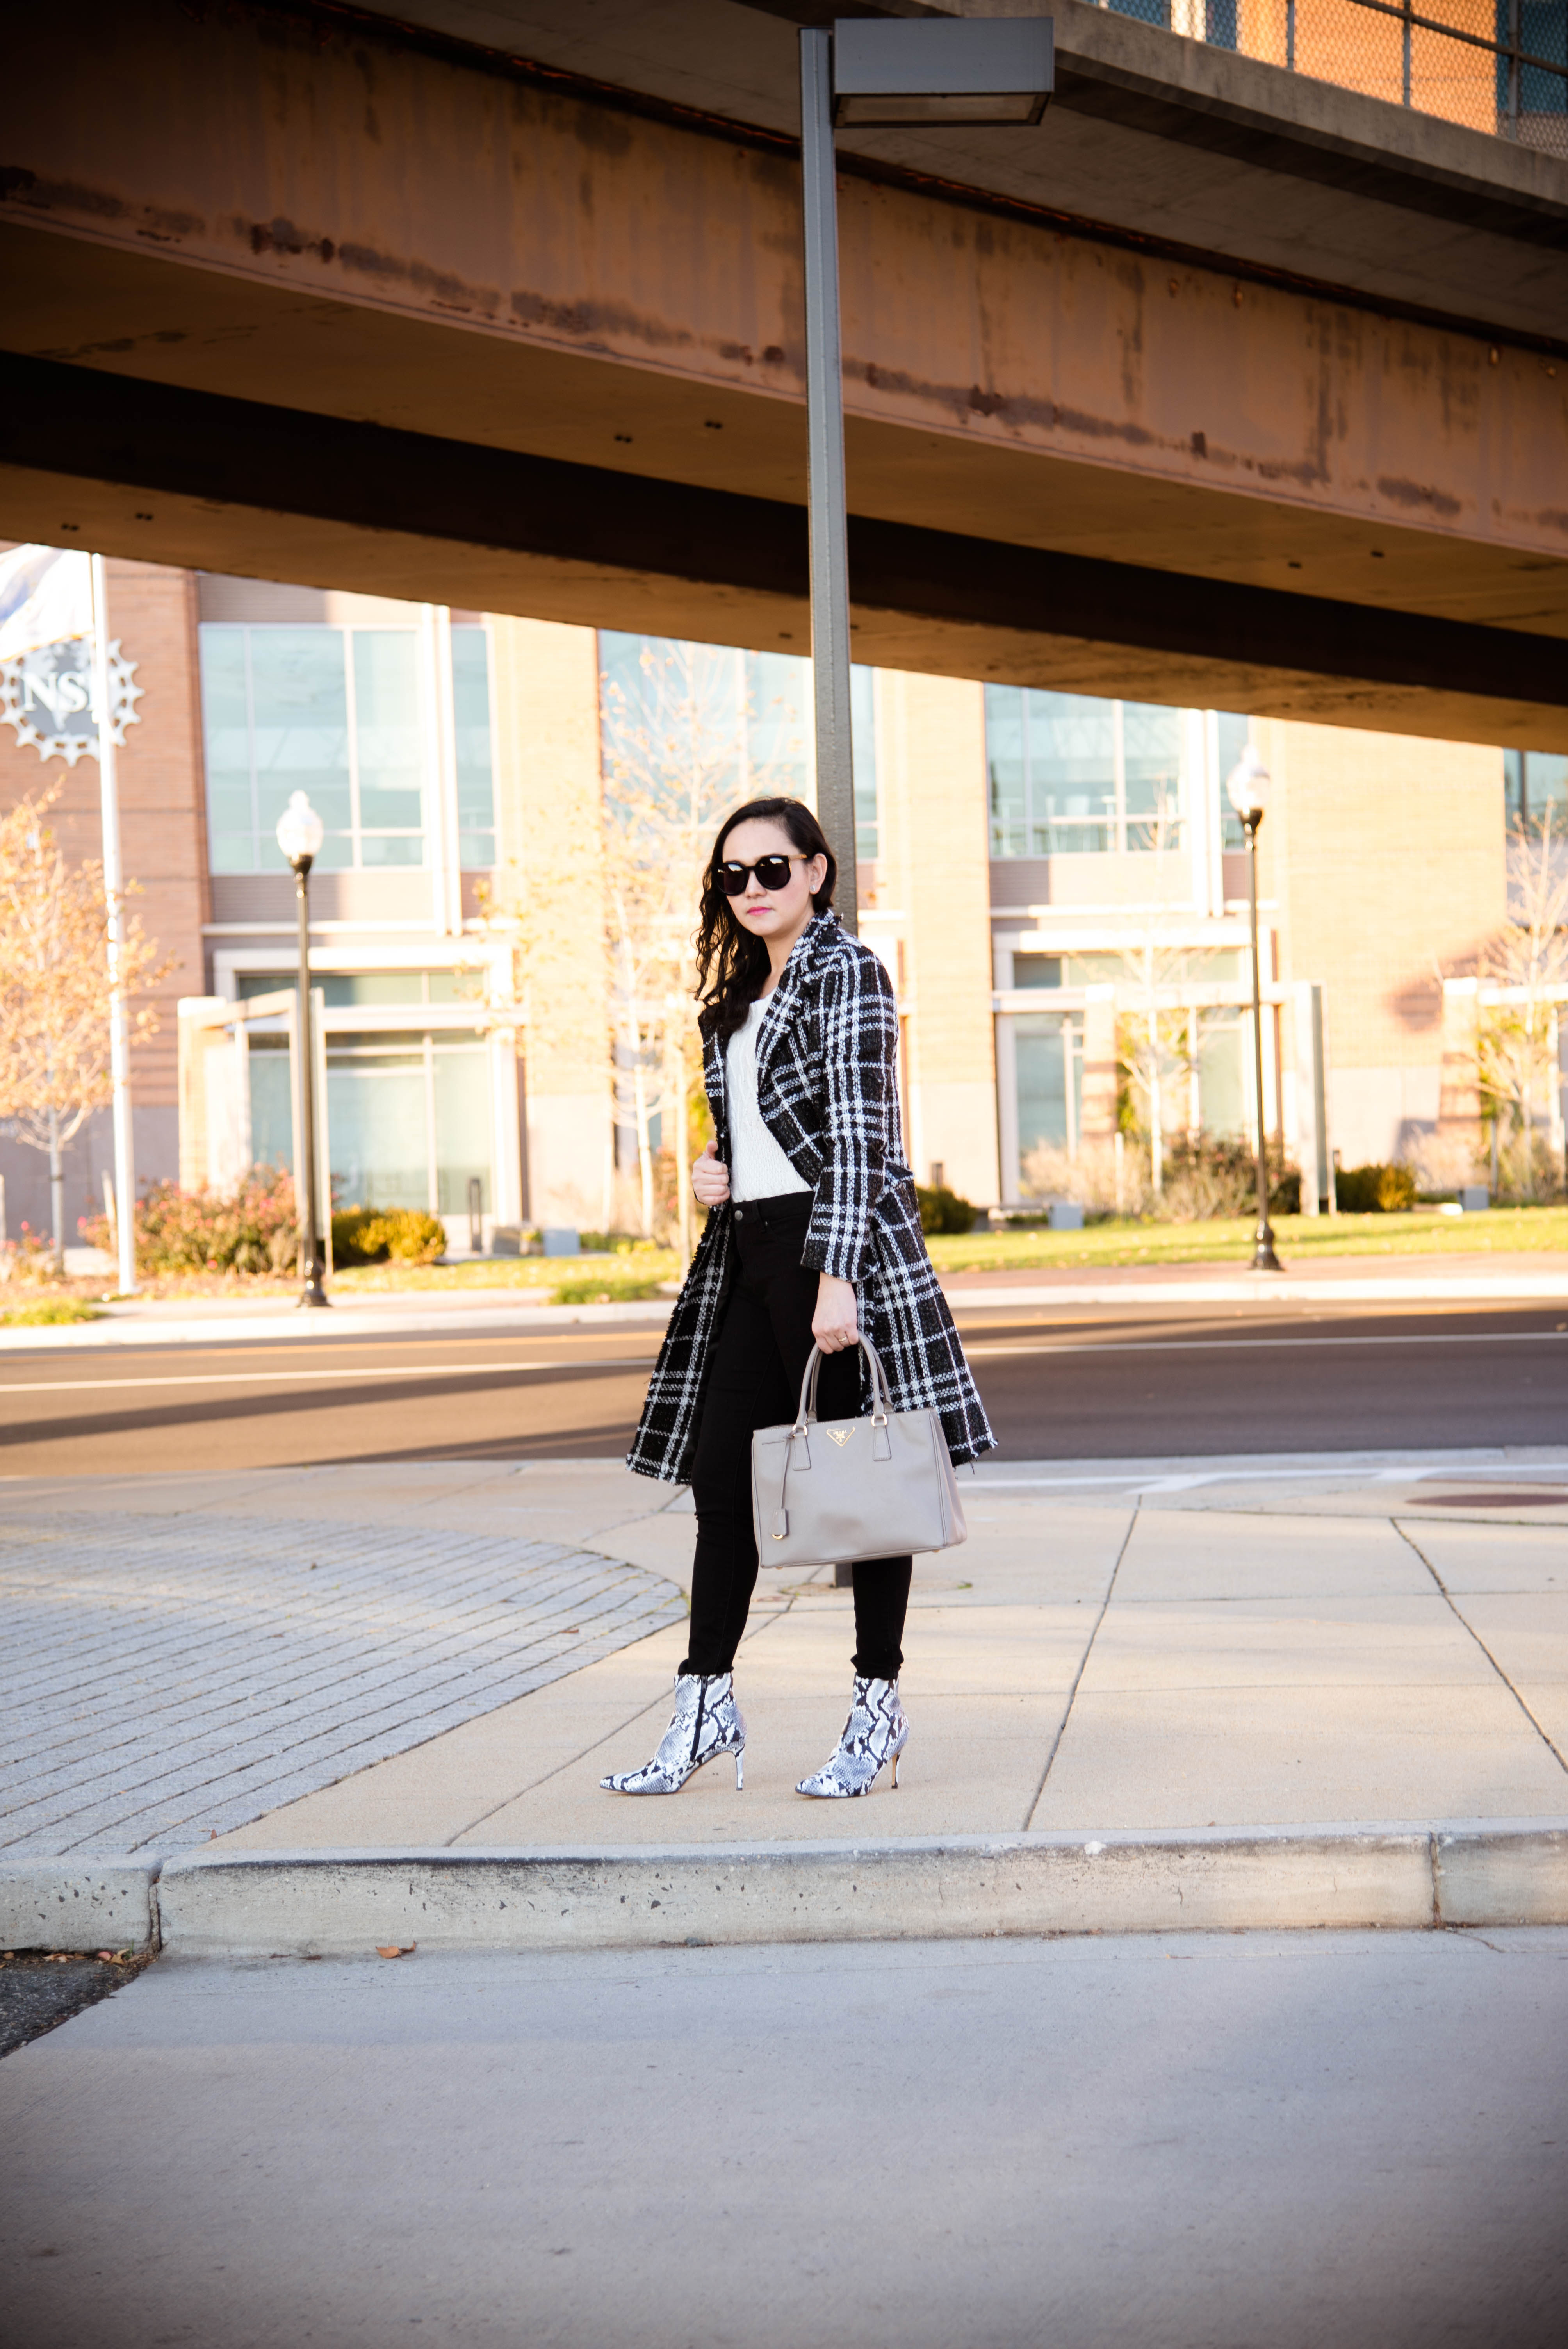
column 1067, row 1385
column 1249, row 2141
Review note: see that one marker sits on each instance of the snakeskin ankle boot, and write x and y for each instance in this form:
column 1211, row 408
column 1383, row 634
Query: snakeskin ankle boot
column 876, row 1731
column 707, row 1721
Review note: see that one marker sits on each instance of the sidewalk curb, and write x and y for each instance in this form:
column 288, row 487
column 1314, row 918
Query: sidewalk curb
column 77, row 1904
column 126, row 1324
column 1398, row 1877
column 1265, row 1289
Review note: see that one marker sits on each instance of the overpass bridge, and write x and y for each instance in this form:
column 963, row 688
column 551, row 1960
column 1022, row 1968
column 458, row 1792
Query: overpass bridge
column 1223, row 387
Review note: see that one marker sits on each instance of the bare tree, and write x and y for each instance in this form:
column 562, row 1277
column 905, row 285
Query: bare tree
column 1155, row 1046
column 54, row 1066
column 1525, row 968
column 678, row 757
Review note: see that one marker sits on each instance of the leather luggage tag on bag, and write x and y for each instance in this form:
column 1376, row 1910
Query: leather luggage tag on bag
column 840, row 1435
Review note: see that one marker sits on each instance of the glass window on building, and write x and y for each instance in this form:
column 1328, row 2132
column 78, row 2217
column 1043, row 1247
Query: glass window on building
column 476, row 771
column 1234, row 734
column 335, row 713
column 1070, row 775
column 1048, row 1061
column 409, row 1113
column 1223, row 1095
column 678, row 719
column 1535, row 791
column 408, row 1120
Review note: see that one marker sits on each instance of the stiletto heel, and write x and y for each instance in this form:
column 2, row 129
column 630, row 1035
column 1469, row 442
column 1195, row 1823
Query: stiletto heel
column 739, row 1770
column 896, row 1759
column 875, row 1732
column 707, row 1721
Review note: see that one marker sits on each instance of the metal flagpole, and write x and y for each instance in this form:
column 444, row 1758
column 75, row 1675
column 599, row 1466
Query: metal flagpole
column 825, row 477
column 113, row 883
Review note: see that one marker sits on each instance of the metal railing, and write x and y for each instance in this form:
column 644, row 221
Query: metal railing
column 1496, row 66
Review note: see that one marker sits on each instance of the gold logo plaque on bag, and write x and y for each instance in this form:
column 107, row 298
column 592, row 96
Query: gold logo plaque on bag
column 812, row 1504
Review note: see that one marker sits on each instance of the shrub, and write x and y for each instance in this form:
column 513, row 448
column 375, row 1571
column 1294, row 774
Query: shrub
column 251, row 1229
column 372, row 1235
column 1206, row 1175
column 29, row 1258
column 1374, row 1190
column 942, row 1210
column 1093, row 1180
column 1284, row 1196
column 1209, row 1174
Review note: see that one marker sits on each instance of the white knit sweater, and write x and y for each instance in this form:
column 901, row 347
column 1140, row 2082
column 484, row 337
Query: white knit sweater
column 758, row 1169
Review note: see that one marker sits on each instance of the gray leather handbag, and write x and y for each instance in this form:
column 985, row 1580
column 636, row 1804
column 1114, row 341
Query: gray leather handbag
column 825, row 1491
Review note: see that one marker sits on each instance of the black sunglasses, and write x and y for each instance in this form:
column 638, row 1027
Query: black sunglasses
column 772, row 873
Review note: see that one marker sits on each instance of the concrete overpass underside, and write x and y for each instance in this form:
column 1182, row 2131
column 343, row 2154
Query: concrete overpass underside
column 303, row 292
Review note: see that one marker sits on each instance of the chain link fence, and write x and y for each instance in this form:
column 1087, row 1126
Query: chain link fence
column 1497, row 66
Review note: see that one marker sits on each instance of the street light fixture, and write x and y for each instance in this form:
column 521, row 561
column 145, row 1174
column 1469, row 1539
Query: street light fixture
column 1246, row 787
column 881, row 72
column 300, row 834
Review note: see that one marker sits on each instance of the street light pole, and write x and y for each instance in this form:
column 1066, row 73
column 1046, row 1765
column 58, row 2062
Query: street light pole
column 871, row 74
column 1245, row 788
column 114, row 894
column 825, row 495
column 300, row 835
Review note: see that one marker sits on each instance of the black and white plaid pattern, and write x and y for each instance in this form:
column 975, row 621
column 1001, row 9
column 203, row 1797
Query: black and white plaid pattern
column 827, row 1085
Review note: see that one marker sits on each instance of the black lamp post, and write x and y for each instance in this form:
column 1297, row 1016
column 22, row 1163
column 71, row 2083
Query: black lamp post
column 1245, row 789
column 300, row 835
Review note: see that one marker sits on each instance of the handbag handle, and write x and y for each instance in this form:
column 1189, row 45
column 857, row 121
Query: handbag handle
column 881, row 1393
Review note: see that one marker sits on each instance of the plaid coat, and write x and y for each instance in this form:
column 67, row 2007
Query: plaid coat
column 827, row 1086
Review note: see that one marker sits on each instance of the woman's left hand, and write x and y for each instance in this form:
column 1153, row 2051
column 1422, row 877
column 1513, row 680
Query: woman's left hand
column 835, row 1324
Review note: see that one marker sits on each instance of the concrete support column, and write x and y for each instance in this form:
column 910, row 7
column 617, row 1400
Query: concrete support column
column 548, row 799
column 934, row 869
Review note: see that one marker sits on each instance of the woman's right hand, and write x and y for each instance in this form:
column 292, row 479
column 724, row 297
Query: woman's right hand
column 710, row 1178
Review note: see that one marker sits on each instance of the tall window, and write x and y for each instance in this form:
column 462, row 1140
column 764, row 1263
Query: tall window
column 334, row 712
column 1535, row 785
column 1074, row 776
column 476, row 775
column 748, row 715
column 1234, row 734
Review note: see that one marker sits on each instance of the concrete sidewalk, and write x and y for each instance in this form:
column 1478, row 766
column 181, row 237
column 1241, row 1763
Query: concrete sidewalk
column 1270, row 1646
column 1299, row 1690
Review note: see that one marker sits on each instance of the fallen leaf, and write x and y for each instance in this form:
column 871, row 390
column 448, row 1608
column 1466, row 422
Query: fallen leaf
column 392, row 1950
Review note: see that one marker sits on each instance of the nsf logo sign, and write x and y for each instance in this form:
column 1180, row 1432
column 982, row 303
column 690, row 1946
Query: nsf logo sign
column 47, row 696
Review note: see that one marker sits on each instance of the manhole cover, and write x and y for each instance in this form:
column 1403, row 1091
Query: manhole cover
column 1493, row 1500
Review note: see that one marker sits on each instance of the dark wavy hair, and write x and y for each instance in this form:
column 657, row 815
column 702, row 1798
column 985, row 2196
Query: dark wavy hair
column 732, row 963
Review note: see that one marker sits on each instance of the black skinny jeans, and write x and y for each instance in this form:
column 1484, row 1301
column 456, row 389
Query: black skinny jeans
column 760, row 1357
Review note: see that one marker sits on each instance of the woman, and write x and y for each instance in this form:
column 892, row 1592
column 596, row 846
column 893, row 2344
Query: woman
column 812, row 1232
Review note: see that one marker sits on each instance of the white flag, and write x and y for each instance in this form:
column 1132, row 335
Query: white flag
column 45, row 596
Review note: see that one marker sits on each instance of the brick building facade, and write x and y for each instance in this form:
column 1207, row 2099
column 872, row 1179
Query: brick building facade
column 1030, row 864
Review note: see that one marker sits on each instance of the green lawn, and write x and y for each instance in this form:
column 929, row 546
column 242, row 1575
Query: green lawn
column 629, row 1270
column 1501, row 1231
column 48, row 1312
column 639, row 1272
